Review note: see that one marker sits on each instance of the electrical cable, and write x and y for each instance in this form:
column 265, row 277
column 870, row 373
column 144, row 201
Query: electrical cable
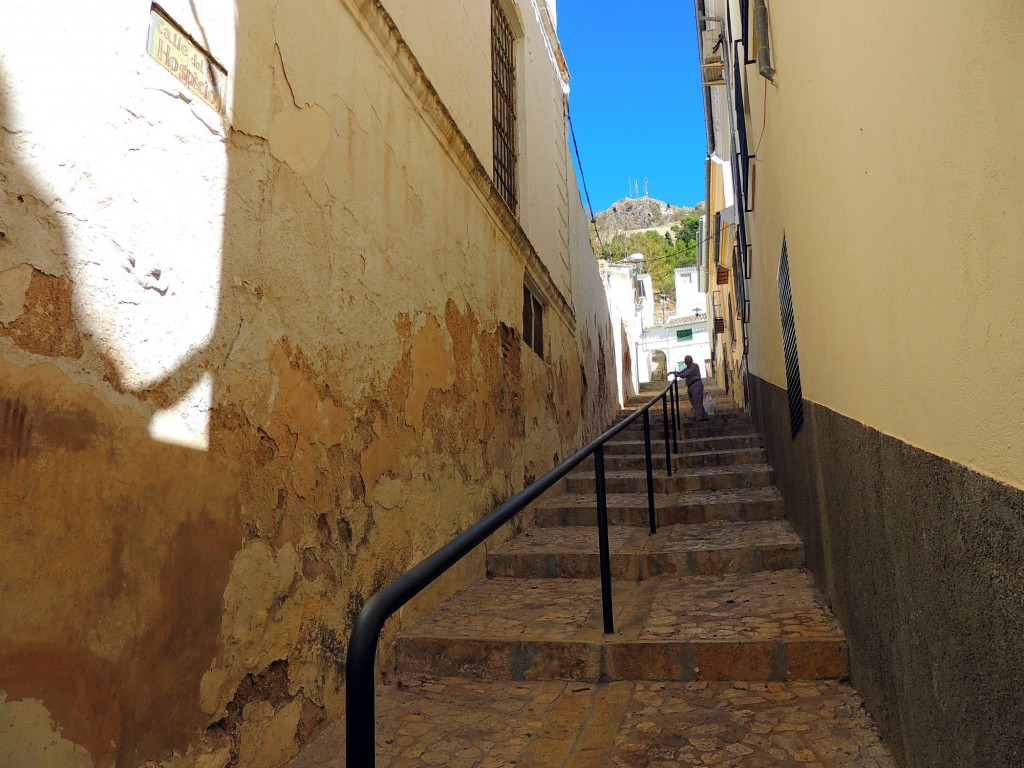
column 579, row 164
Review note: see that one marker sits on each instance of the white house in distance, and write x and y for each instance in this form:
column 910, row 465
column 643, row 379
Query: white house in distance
column 663, row 345
column 630, row 303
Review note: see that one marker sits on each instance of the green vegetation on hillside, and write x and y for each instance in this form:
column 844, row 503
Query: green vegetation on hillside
column 663, row 253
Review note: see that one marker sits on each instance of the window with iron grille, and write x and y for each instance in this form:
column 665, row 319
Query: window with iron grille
column 796, row 397
column 503, row 96
column 533, row 321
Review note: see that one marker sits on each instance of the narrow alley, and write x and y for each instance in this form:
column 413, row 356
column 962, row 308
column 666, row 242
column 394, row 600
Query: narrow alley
column 318, row 320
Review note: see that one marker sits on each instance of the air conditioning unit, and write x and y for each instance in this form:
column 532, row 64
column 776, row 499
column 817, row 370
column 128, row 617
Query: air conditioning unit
column 712, row 61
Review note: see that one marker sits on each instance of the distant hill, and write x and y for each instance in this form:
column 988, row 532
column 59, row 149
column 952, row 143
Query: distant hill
column 632, row 214
column 665, row 234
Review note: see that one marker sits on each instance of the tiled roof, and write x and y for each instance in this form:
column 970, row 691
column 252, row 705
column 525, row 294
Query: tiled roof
column 687, row 320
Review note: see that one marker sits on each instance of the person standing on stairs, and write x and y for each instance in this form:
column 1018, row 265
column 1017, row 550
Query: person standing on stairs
column 694, row 387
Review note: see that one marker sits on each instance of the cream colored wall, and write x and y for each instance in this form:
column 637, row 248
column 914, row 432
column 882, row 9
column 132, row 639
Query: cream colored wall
column 891, row 160
column 545, row 173
column 453, row 47
column 452, row 42
column 728, row 356
column 258, row 365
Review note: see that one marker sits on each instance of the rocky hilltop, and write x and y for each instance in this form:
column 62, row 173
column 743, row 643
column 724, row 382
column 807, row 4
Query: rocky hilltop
column 637, row 213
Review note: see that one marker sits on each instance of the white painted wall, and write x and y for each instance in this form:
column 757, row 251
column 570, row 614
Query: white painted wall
column 628, row 309
column 453, row 47
column 689, row 299
column 663, row 338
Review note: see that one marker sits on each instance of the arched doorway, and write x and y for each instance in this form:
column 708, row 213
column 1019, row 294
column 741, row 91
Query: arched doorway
column 659, row 366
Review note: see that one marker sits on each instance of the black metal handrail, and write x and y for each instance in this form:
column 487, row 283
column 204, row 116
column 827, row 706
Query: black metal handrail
column 360, row 739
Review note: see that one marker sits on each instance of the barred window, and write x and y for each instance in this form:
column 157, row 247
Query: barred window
column 533, row 321
column 503, row 90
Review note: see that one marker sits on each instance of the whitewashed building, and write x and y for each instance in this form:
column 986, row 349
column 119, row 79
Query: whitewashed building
column 662, row 346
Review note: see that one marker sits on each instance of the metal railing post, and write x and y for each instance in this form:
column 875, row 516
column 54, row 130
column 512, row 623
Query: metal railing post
column 675, row 417
column 679, row 404
column 360, row 687
column 602, row 537
column 668, row 437
column 652, row 520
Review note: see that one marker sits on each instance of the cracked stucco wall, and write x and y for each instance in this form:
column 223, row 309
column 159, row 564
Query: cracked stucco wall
column 252, row 367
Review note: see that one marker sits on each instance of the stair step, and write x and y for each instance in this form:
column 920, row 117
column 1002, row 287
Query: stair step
column 696, row 479
column 721, row 458
column 686, row 421
column 646, row 394
column 690, row 430
column 681, row 461
column 679, row 550
column 751, row 626
column 721, row 408
column 737, row 505
column 629, row 445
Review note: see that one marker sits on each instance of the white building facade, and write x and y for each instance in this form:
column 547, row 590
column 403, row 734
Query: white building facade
column 663, row 346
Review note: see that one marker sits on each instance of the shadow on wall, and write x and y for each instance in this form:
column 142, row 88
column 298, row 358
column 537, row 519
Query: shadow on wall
column 116, row 548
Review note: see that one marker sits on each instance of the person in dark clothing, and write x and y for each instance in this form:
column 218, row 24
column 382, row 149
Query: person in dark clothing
column 694, row 387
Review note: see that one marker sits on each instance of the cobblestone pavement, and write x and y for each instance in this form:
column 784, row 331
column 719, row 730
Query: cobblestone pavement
column 728, row 476
column 733, row 606
column 426, row 721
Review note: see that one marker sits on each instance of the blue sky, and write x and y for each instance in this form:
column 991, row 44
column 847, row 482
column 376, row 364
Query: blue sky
column 635, row 97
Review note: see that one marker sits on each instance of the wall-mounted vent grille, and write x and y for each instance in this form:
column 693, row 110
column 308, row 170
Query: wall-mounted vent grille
column 796, row 398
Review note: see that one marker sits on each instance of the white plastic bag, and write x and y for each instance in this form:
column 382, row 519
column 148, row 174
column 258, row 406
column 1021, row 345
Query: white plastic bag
column 709, row 405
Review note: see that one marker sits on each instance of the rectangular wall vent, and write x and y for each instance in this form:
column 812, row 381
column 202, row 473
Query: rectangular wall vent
column 796, row 398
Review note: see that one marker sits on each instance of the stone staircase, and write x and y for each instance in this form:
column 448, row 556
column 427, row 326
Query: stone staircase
column 724, row 652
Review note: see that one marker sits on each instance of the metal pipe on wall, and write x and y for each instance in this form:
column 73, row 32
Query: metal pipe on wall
column 764, row 65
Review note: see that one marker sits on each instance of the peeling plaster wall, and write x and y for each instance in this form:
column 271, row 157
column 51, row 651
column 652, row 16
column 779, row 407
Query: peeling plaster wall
column 253, row 366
